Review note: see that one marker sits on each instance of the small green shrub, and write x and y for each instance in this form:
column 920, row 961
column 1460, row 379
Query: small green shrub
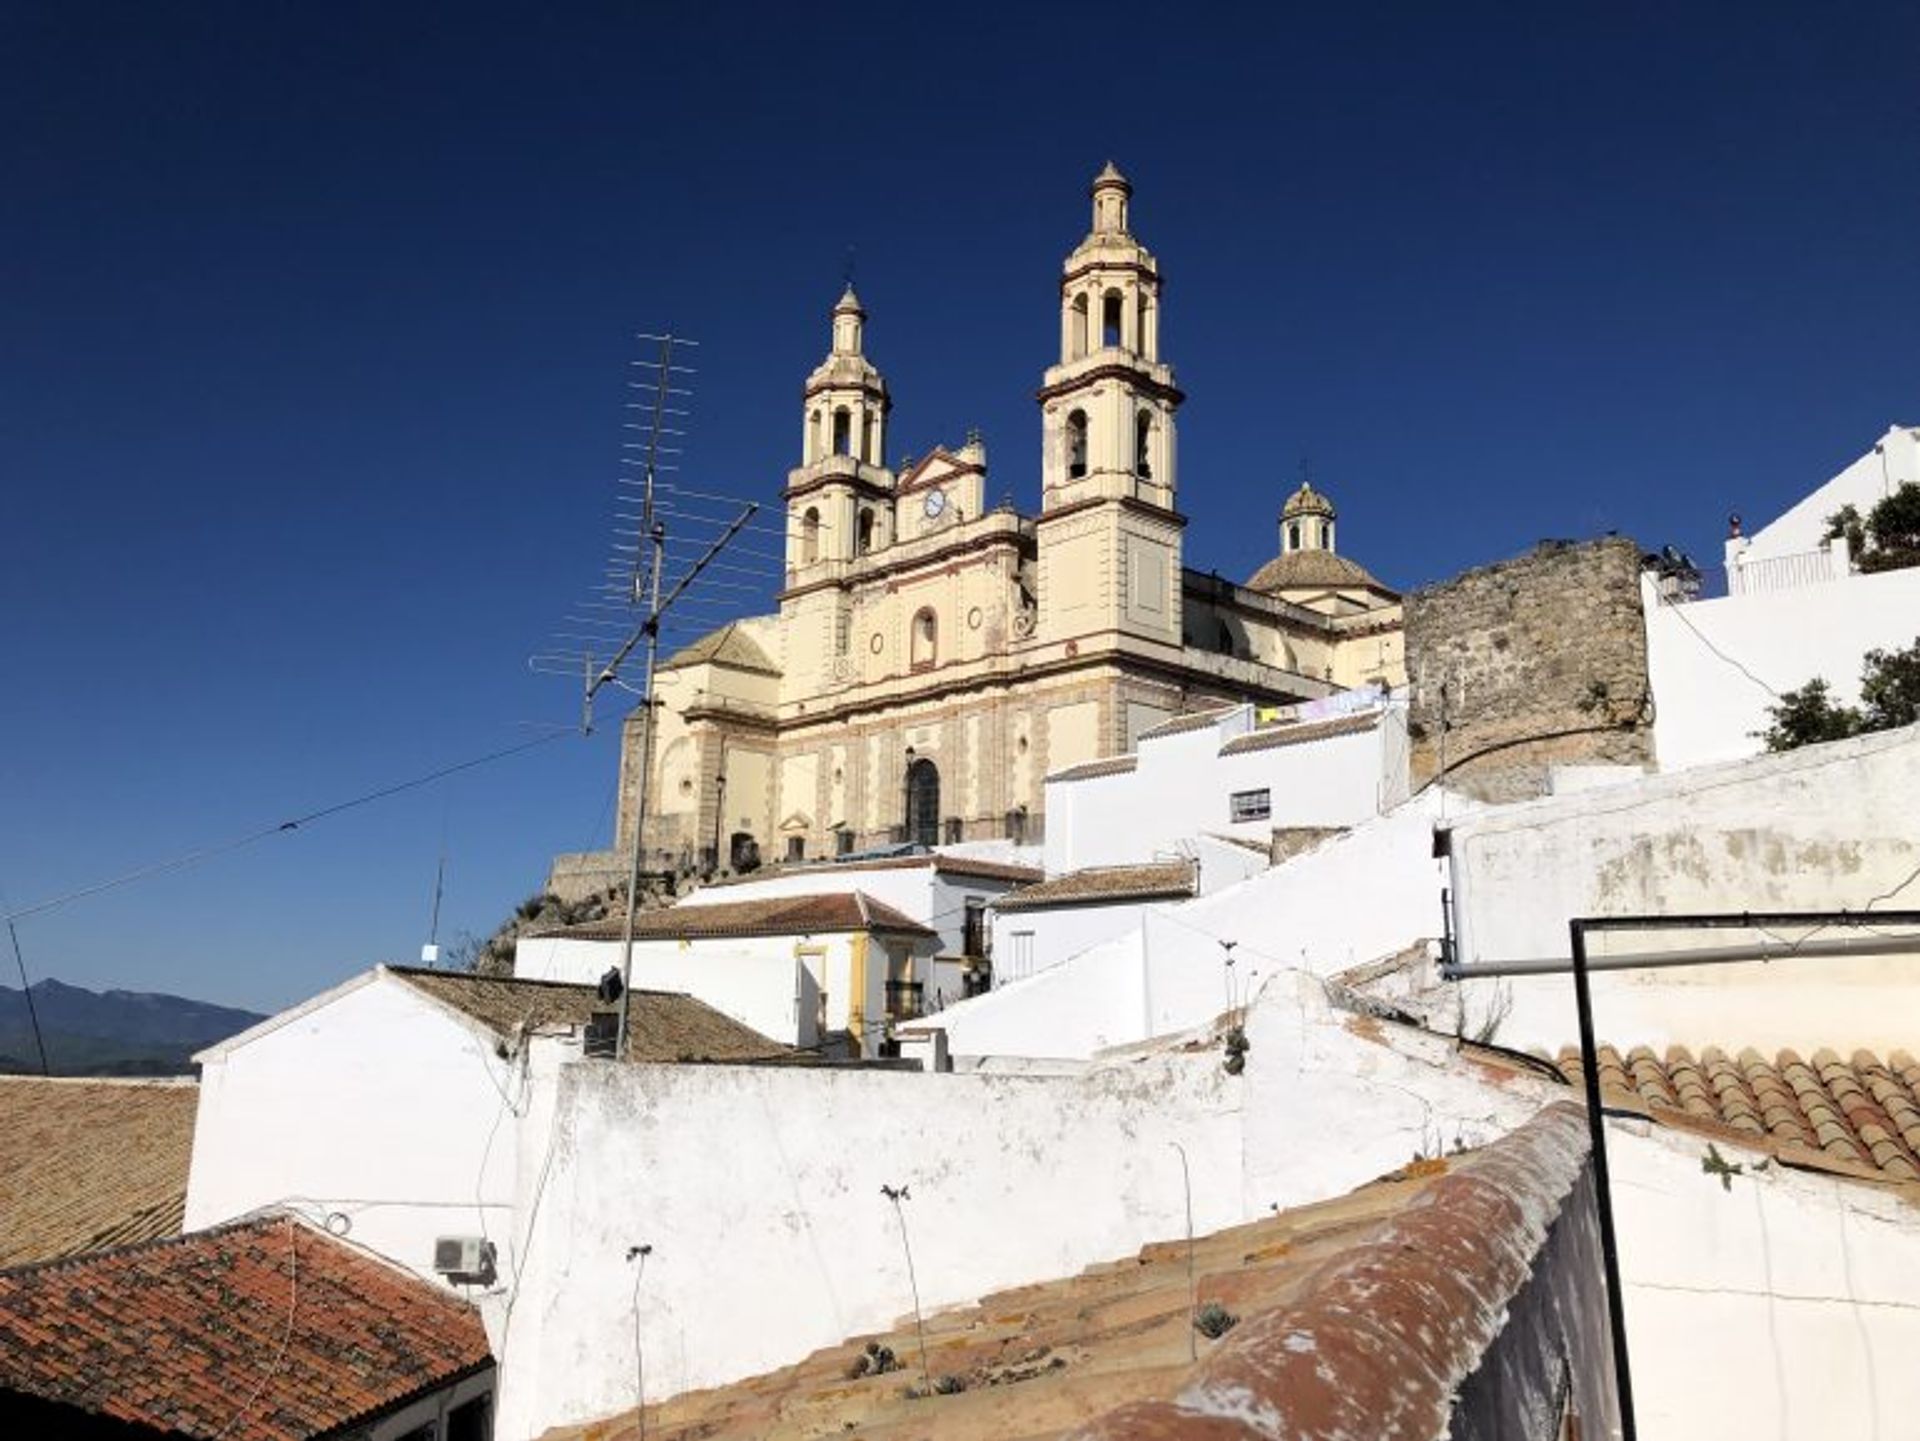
column 1214, row 1320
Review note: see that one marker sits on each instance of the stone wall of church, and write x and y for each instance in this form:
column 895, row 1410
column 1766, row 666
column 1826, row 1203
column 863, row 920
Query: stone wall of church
column 1531, row 663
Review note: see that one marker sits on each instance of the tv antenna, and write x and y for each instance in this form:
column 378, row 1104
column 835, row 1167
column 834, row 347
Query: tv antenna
column 650, row 573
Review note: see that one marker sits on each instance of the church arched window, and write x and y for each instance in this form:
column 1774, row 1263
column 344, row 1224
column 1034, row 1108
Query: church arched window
column 813, row 437
column 1143, row 445
column 925, row 641
column 1076, row 445
column 863, row 534
column 1077, row 328
column 842, row 431
column 1110, row 310
column 866, row 438
column 1326, row 535
column 1293, row 535
column 810, row 536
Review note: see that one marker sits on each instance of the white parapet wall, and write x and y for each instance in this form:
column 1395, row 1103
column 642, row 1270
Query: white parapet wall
column 1827, row 827
column 1715, row 666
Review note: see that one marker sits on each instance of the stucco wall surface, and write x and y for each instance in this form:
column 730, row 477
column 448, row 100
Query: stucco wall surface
column 1708, row 709
column 1359, row 897
column 780, row 1241
column 1781, row 1304
column 1894, row 460
column 1826, row 827
column 377, row 1106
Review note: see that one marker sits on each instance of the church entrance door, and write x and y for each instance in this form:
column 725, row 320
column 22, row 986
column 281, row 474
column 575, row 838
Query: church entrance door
column 923, row 803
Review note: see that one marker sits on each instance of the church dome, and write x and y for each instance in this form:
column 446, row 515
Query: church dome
column 1306, row 501
column 729, row 646
column 1314, row 569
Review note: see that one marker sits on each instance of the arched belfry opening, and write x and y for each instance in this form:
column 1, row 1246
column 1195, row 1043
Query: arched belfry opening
column 842, row 431
column 923, row 802
column 1077, row 328
column 1076, row 444
column 1112, row 309
column 1143, row 445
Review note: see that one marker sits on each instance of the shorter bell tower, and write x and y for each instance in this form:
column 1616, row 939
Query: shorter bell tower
column 840, row 496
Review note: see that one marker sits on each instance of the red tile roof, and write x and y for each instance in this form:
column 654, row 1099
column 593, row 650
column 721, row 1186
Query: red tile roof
column 1359, row 1316
column 91, row 1163
column 257, row 1331
column 1105, row 885
column 769, row 916
column 1858, row 1116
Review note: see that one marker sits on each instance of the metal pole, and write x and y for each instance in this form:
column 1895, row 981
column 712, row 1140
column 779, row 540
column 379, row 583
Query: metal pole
column 1602, row 1183
column 652, row 629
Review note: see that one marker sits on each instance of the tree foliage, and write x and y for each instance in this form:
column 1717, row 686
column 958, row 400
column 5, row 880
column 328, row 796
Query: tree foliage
column 1889, row 696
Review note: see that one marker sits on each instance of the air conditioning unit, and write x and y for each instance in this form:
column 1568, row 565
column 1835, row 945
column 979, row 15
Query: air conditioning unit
column 463, row 1256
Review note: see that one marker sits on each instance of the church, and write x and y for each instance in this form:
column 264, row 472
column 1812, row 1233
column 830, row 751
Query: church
column 935, row 657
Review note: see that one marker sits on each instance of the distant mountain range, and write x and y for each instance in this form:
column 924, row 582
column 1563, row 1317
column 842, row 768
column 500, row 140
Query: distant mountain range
column 111, row 1033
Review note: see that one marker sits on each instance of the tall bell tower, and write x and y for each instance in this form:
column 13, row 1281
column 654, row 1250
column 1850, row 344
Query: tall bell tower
column 840, row 497
column 1108, row 405
column 1109, row 535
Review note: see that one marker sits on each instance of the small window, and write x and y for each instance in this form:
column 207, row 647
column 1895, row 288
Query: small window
column 842, row 631
column 1076, row 444
column 863, row 535
column 1110, row 309
column 1077, row 329
column 1021, row 962
column 1293, row 536
column 810, row 537
column 796, row 848
column 1143, row 445
column 953, row 830
column 843, row 842
column 842, row 431
column 973, row 936
column 924, row 642
column 1250, row 805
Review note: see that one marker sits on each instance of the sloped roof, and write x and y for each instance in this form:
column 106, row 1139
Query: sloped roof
column 1314, row 570
column 661, row 1025
column 1300, row 732
column 770, row 916
column 944, row 865
column 86, row 1164
column 177, row 1335
column 1191, row 721
column 1372, row 1308
column 1859, row 1115
column 730, row 646
column 1104, row 885
column 1092, row 770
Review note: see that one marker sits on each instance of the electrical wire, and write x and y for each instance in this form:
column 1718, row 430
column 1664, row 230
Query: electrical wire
column 221, row 848
column 1679, row 614
column 26, row 991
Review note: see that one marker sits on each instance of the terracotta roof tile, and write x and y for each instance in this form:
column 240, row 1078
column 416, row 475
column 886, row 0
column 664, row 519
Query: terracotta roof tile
column 1862, row 1114
column 1104, row 885
column 771, row 916
column 1093, row 770
column 91, row 1163
column 177, row 1335
column 1431, row 1255
column 661, row 1025
column 1191, row 721
column 1300, row 732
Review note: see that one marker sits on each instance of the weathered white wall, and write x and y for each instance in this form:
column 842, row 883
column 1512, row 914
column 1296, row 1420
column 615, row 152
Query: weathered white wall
column 1360, row 897
column 374, row 1104
column 1706, row 709
column 779, row 1241
column 1822, row 828
column 1057, row 934
column 1786, row 1306
column 1181, row 785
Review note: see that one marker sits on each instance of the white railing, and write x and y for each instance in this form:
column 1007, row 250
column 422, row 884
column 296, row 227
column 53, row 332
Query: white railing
column 1785, row 572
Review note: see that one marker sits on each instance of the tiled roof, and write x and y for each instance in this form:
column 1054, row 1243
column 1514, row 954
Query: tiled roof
column 730, row 645
column 1858, row 1115
column 940, row 864
column 1103, row 884
column 1359, row 1316
column 91, row 1163
column 661, row 1025
column 1192, row 721
column 1314, row 569
column 769, row 916
column 1091, row 770
column 1300, row 732
column 258, row 1331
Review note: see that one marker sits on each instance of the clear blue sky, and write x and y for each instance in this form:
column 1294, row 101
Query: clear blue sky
column 314, row 321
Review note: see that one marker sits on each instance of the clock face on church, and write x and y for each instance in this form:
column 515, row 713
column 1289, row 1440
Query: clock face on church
column 936, row 502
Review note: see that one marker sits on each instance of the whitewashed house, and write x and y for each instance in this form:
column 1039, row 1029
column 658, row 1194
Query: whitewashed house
column 386, row 1109
column 1795, row 609
column 833, row 971
column 1239, row 773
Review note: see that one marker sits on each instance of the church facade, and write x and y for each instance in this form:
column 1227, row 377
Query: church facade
column 935, row 657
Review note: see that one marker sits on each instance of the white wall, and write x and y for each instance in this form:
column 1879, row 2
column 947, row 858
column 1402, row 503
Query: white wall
column 1359, row 897
column 779, row 1241
column 375, row 1105
column 1822, row 828
column 757, row 980
column 1894, row 459
column 1706, row 709
column 1782, row 1307
column 1055, row 934
column 1181, row 785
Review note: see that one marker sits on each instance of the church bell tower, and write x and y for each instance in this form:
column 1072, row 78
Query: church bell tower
column 1109, row 535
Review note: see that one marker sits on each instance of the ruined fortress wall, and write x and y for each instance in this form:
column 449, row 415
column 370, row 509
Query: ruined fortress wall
column 1535, row 662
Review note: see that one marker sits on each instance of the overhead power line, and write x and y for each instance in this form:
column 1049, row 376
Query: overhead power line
column 206, row 853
